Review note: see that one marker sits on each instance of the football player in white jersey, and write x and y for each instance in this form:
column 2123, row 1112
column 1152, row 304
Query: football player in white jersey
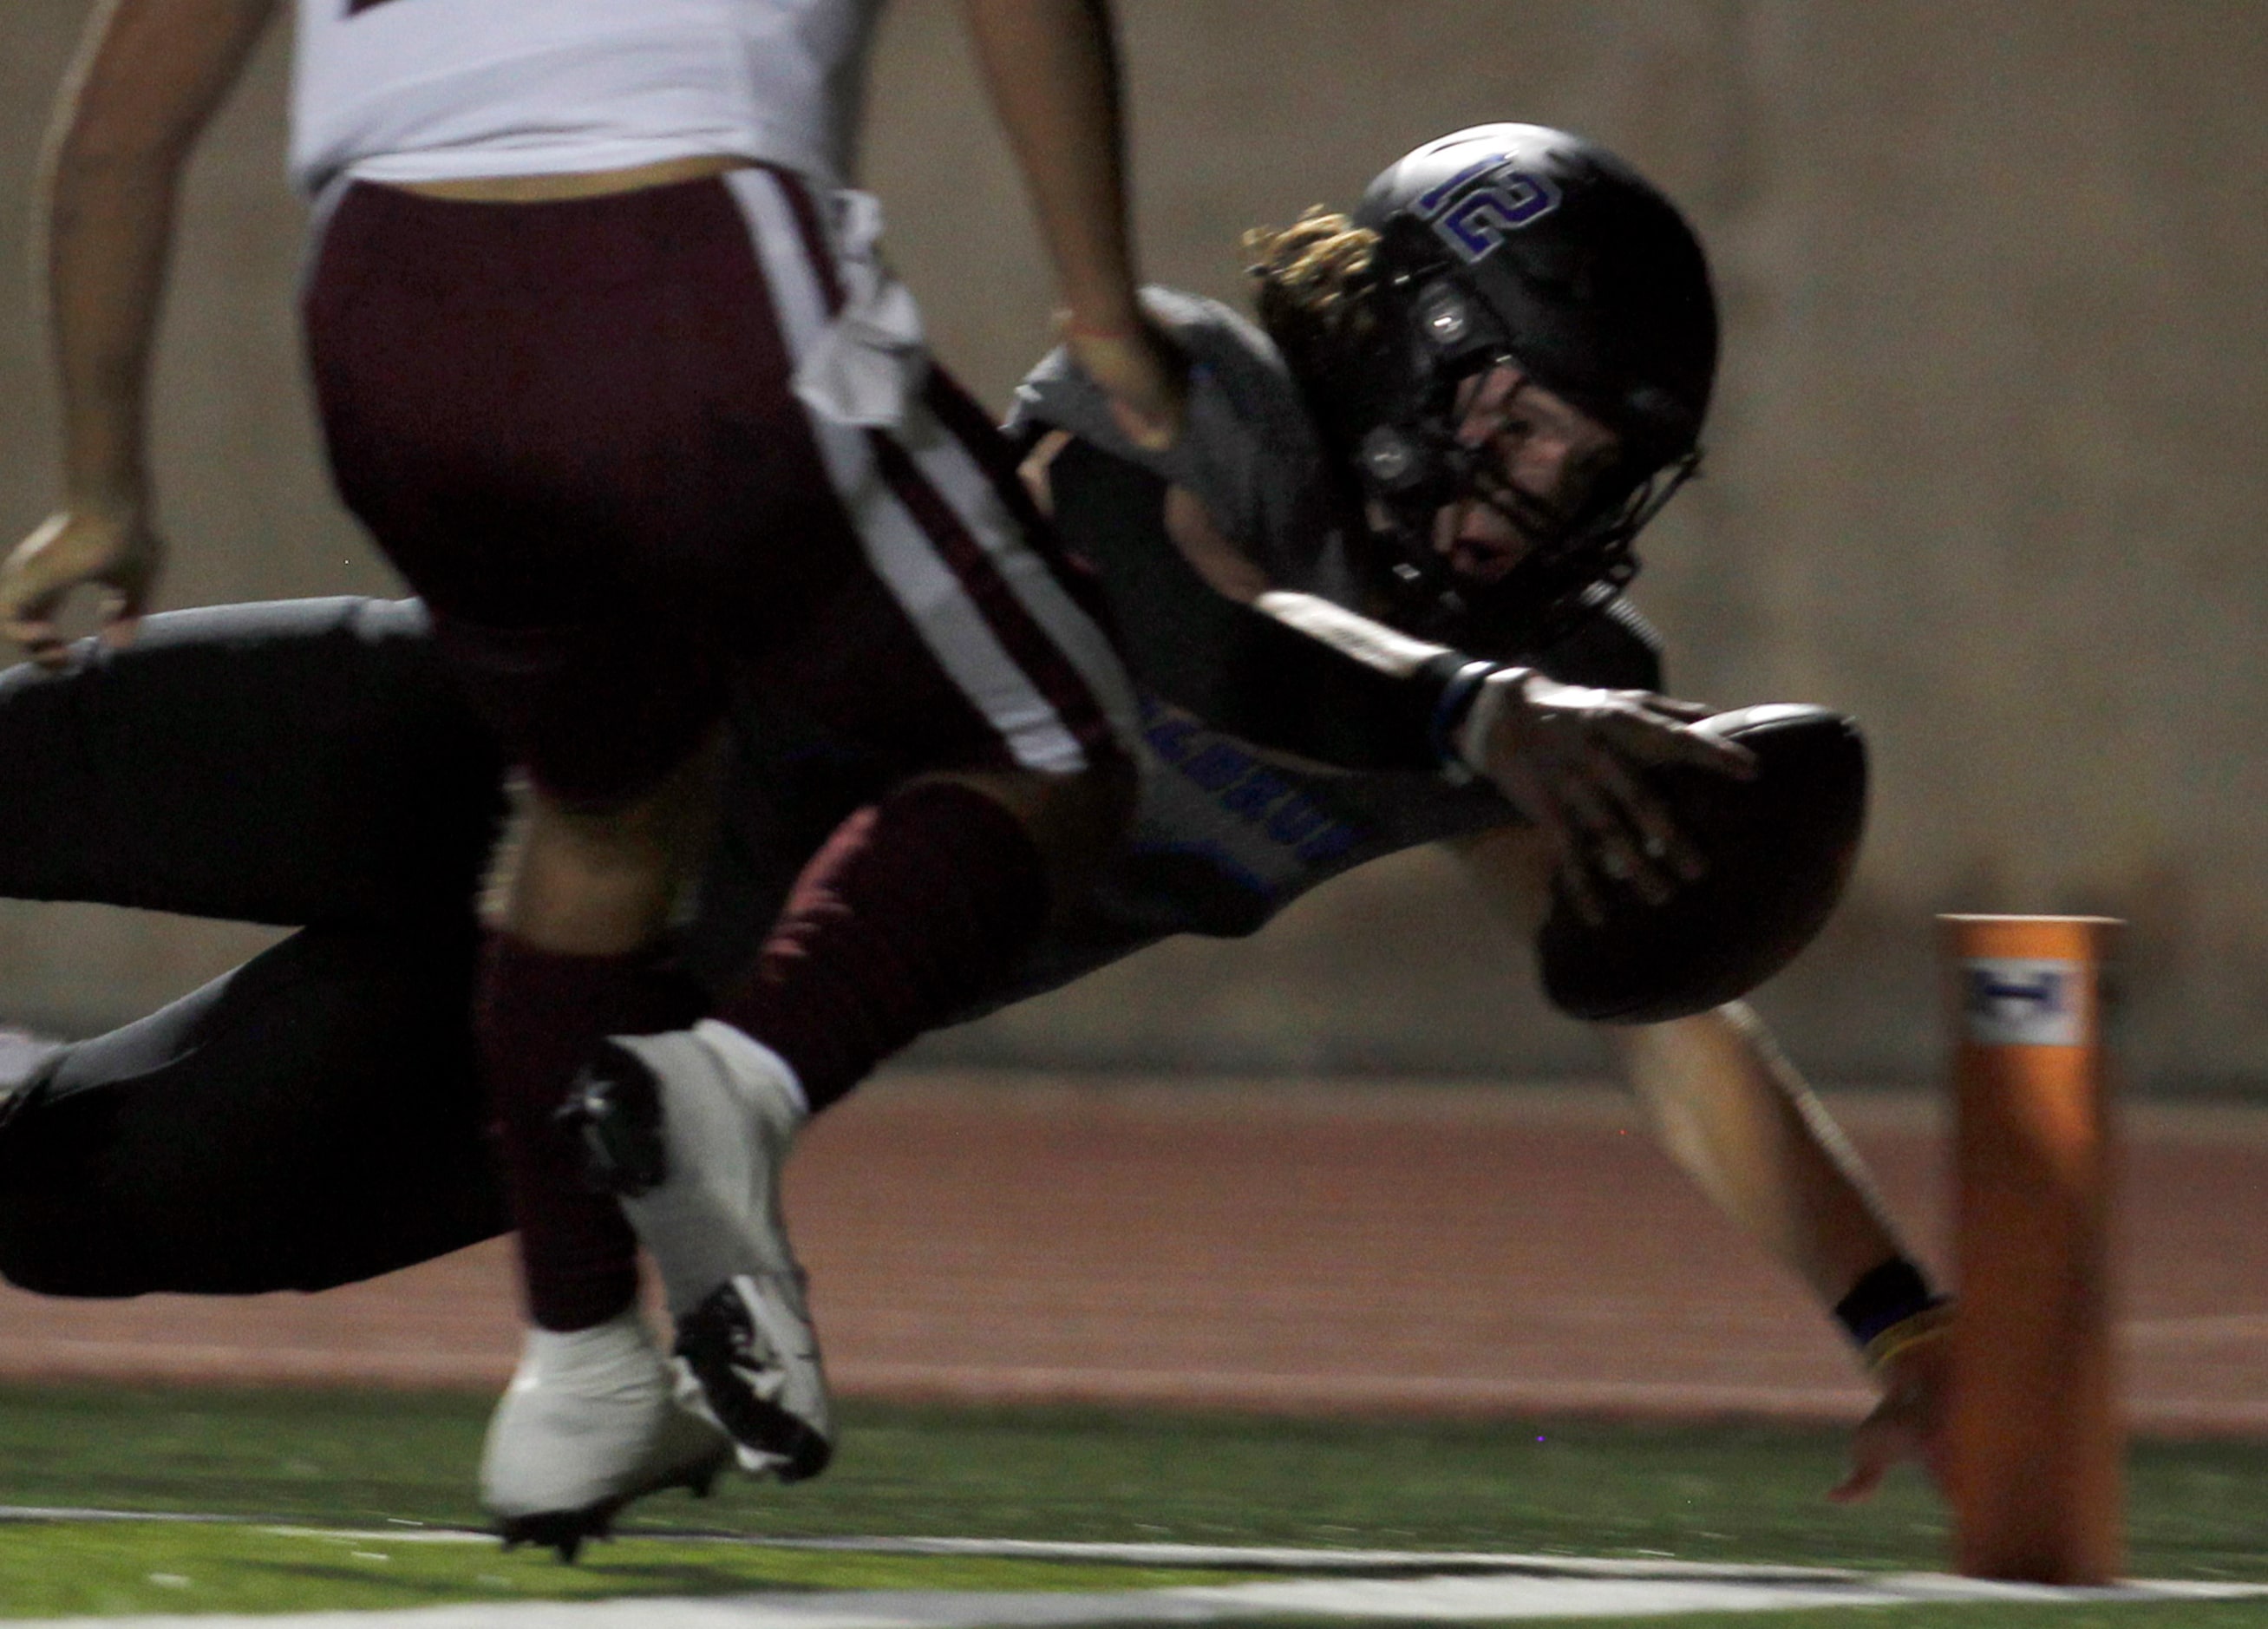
column 610, row 365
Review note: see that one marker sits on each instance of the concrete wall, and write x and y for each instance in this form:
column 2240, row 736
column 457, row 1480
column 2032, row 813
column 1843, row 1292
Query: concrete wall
column 1985, row 467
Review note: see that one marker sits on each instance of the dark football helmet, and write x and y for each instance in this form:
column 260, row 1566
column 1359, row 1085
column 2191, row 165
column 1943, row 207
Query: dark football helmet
column 1515, row 243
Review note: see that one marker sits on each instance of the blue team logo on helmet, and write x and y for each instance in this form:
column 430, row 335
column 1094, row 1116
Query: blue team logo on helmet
column 1473, row 208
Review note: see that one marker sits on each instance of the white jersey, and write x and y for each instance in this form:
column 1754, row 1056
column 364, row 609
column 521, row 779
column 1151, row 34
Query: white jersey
column 442, row 90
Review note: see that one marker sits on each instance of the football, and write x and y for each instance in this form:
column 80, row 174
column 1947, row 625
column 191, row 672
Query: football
column 1779, row 849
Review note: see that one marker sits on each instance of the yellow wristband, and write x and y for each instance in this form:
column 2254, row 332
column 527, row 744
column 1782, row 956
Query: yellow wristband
column 1930, row 1324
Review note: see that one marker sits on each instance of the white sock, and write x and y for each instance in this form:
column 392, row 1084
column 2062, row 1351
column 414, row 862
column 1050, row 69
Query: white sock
column 618, row 1355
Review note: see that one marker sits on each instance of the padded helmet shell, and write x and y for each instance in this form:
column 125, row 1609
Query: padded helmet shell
column 1593, row 279
column 1515, row 242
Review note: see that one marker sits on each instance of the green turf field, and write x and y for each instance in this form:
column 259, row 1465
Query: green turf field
column 386, row 1463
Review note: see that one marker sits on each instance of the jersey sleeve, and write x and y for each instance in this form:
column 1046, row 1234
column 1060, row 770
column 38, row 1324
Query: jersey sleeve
column 1247, row 449
column 1241, row 670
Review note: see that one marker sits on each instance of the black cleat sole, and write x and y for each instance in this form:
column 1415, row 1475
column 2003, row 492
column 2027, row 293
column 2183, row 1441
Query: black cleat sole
column 718, row 1342
column 567, row 1531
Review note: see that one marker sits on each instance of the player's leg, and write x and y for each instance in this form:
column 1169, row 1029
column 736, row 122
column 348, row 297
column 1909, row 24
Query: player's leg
column 983, row 656
column 722, row 490
column 312, row 1118
column 579, row 905
column 287, row 763
column 955, row 641
column 914, row 911
column 520, row 402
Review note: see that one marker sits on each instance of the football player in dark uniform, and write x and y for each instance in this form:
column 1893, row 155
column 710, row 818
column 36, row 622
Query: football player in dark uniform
column 1415, row 493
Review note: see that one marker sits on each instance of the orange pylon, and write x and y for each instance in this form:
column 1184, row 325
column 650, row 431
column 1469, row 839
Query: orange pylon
column 2037, row 1437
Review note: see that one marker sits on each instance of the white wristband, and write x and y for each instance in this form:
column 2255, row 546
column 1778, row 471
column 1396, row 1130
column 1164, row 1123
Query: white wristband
column 1472, row 738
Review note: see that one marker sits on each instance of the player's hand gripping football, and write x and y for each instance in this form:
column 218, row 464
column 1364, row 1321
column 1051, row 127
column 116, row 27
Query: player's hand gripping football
column 1569, row 758
column 1908, row 1423
column 1140, row 369
column 113, row 549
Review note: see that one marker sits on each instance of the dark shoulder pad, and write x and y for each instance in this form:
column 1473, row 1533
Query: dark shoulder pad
column 1172, row 626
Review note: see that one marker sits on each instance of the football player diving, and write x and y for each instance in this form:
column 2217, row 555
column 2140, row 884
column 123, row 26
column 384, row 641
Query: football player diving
column 1408, row 497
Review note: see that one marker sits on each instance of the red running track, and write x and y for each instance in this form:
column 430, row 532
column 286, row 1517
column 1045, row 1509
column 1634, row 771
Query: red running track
column 1376, row 1249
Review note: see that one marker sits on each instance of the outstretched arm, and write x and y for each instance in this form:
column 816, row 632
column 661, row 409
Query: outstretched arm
column 1735, row 1115
column 1302, row 674
column 1737, row 1119
column 1052, row 68
column 148, row 79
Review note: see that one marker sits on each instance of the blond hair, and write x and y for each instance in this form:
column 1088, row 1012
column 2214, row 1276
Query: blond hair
column 1311, row 281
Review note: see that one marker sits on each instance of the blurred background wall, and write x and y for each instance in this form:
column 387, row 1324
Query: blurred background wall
column 1989, row 468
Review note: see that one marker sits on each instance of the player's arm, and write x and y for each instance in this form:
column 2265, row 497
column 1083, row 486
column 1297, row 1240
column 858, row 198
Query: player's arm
column 1292, row 672
column 1052, row 69
column 1564, row 755
column 1741, row 1122
column 1303, row 676
column 1568, row 757
column 147, row 79
column 1187, row 608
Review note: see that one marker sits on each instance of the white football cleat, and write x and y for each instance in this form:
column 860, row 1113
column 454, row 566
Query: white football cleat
column 590, row 1422
column 691, row 1129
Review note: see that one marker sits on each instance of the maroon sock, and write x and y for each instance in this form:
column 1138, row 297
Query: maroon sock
column 538, row 1016
column 913, row 911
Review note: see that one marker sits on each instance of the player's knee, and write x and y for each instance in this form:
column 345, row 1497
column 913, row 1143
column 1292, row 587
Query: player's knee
column 1093, row 807
column 601, row 881
column 27, row 1266
column 1074, row 820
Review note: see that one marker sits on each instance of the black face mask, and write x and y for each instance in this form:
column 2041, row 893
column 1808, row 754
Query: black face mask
column 1573, row 565
column 1392, row 413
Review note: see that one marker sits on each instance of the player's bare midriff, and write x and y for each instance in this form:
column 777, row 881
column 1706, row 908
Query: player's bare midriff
column 577, row 184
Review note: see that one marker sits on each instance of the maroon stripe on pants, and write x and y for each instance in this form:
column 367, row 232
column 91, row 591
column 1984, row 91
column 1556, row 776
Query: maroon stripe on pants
column 967, row 424
column 817, row 249
column 1028, row 645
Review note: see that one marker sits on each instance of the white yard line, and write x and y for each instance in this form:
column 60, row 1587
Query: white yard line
column 1501, row 1599
column 1467, row 1587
